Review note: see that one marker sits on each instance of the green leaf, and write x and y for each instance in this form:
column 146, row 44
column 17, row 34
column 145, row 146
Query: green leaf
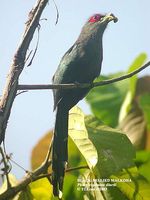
column 41, row 189
column 98, row 142
column 126, row 106
column 143, row 162
column 114, row 149
column 71, row 190
column 105, row 102
column 90, row 190
column 137, row 63
column 142, row 156
column 145, row 106
column 114, row 193
column 138, row 188
column 78, row 133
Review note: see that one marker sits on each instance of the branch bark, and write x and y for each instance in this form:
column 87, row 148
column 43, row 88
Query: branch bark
column 83, row 85
column 18, row 62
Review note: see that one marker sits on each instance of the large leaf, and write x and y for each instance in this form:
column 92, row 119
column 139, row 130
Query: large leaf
column 143, row 163
column 71, row 188
column 145, row 106
column 41, row 189
column 39, row 151
column 134, row 126
column 113, row 148
column 79, row 135
column 89, row 186
column 114, row 193
column 126, row 106
column 105, row 102
column 138, row 188
column 137, row 119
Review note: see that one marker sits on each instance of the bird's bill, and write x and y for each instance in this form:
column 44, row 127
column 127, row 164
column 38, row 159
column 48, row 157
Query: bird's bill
column 110, row 17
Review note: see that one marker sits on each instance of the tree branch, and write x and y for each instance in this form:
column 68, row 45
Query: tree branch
column 10, row 89
column 83, row 85
column 37, row 174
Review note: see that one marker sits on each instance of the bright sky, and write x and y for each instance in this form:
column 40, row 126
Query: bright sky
column 32, row 114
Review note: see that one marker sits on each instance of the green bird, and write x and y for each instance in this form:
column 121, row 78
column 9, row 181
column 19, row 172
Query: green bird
column 80, row 64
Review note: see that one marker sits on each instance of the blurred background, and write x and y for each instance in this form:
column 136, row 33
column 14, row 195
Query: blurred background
column 32, row 113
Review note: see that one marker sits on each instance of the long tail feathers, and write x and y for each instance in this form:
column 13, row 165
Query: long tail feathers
column 60, row 150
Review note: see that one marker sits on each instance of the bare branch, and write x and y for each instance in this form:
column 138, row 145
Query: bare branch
column 10, row 90
column 83, row 85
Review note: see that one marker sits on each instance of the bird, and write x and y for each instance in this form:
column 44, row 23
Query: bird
column 80, row 64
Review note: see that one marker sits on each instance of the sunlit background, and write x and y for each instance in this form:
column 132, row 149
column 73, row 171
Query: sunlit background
column 32, row 114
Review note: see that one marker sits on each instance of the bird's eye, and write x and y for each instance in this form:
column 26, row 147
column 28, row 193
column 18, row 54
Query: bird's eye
column 95, row 18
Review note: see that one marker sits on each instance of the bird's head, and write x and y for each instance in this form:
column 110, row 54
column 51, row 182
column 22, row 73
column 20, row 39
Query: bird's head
column 97, row 24
column 102, row 19
column 100, row 22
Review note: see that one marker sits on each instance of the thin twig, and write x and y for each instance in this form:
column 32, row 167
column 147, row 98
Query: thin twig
column 67, row 170
column 57, row 12
column 77, row 168
column 129, row 75
column 82, row 85
column 5, row 168
column 36, row 48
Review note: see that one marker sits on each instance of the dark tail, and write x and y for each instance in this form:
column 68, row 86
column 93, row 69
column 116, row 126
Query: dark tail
column 60, row 150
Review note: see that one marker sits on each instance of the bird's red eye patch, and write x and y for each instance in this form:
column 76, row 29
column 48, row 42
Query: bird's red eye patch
column 95, row 18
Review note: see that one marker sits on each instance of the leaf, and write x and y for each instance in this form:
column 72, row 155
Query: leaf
column 71, row 190
column 41, row 189
column 105, row 102
column 134, row 126
column 136, row 121
column 142, row 156
column 89, row 186
column 114, row 193
column 114, row 149
column 143, row 163
column 137, row 63
column 39, row 151
column 145, row 106
column 138, row 188
column 78, row 133
column 126, row 106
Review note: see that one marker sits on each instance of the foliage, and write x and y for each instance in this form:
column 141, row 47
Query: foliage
column 111, row 143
